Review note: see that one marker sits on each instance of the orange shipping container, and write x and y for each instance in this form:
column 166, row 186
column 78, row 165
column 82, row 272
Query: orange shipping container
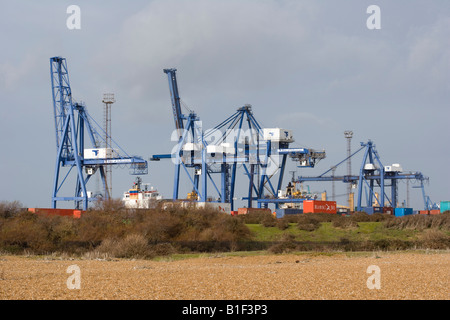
column 316, row 206
column 57, row 212
column 430, row 211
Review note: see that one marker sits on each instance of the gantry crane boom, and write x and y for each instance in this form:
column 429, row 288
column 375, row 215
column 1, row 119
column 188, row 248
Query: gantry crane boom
column 176, row 102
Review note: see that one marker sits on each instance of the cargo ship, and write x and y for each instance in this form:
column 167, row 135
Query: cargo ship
column 141, row 198
column 292, row 192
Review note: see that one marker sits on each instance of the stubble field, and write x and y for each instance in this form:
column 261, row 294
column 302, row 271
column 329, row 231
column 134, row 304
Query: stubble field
column 403, row 275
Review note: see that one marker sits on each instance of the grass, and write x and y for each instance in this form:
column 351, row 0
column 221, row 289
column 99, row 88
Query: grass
column 183, row 256
column 326, row 232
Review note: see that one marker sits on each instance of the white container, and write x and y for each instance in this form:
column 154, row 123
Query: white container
column 223, row 148
column 100, row 153
column 214, row 149
column 393, row 168
column 278, row 135
column 369, row 166
column 192, row 146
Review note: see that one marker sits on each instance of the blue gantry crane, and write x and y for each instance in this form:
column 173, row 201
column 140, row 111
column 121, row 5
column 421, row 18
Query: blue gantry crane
column 237, row 142
column 372, row 174
column 72, row 123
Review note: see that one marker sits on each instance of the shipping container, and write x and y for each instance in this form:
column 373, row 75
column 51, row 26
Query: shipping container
column 435, row 211
column 343, row 211
column 424, row 211
column 400, row 212
column 372, row 210
column 57, row 212
column 280, row 213
column 445, row 206
column 253, row 210
column 316, row 206
column 388, row 210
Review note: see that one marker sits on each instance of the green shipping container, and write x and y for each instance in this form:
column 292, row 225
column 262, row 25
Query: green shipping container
column 445, row 206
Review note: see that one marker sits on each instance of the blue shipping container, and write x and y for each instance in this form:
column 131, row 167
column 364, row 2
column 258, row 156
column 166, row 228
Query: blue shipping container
column 445, row 206
column 400, row 212
column 280, row 213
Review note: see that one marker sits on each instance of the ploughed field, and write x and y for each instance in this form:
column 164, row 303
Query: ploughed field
column 228, row 276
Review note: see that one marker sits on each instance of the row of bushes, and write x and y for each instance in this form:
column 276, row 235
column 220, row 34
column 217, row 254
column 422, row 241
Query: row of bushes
column 124, row 233
column 312, row 221
column 111, row 229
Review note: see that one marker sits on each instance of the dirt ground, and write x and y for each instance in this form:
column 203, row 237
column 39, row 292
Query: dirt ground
column 413, row 275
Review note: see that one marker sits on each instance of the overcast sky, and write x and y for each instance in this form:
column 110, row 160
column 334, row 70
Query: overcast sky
column 310, row 66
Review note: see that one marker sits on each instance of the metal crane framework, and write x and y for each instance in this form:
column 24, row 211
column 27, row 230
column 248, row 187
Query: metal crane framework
column 237, row 142
column 372, row 174
column 72, row 123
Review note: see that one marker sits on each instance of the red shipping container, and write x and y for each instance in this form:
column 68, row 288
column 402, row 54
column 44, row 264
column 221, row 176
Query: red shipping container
column 388, row 210
column 317, row 206
column 424, row 211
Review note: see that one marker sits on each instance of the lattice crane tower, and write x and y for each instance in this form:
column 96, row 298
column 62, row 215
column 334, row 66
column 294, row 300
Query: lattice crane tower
column 108, row 100
column 348, row 135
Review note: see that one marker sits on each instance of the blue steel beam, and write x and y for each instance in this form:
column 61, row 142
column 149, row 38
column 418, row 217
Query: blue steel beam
column 175, row 98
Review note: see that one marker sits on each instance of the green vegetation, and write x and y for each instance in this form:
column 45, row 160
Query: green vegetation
column 113, row 231
column 327, row 232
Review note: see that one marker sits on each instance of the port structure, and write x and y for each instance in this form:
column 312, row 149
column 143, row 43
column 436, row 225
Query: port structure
column 238, row 142
column 373, row 174
column 108, row 100
column 348, row 135
column 72, row 124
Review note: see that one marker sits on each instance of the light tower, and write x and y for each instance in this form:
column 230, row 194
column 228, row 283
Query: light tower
column 348, row 135
column 333, row 188
column 108, row 100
